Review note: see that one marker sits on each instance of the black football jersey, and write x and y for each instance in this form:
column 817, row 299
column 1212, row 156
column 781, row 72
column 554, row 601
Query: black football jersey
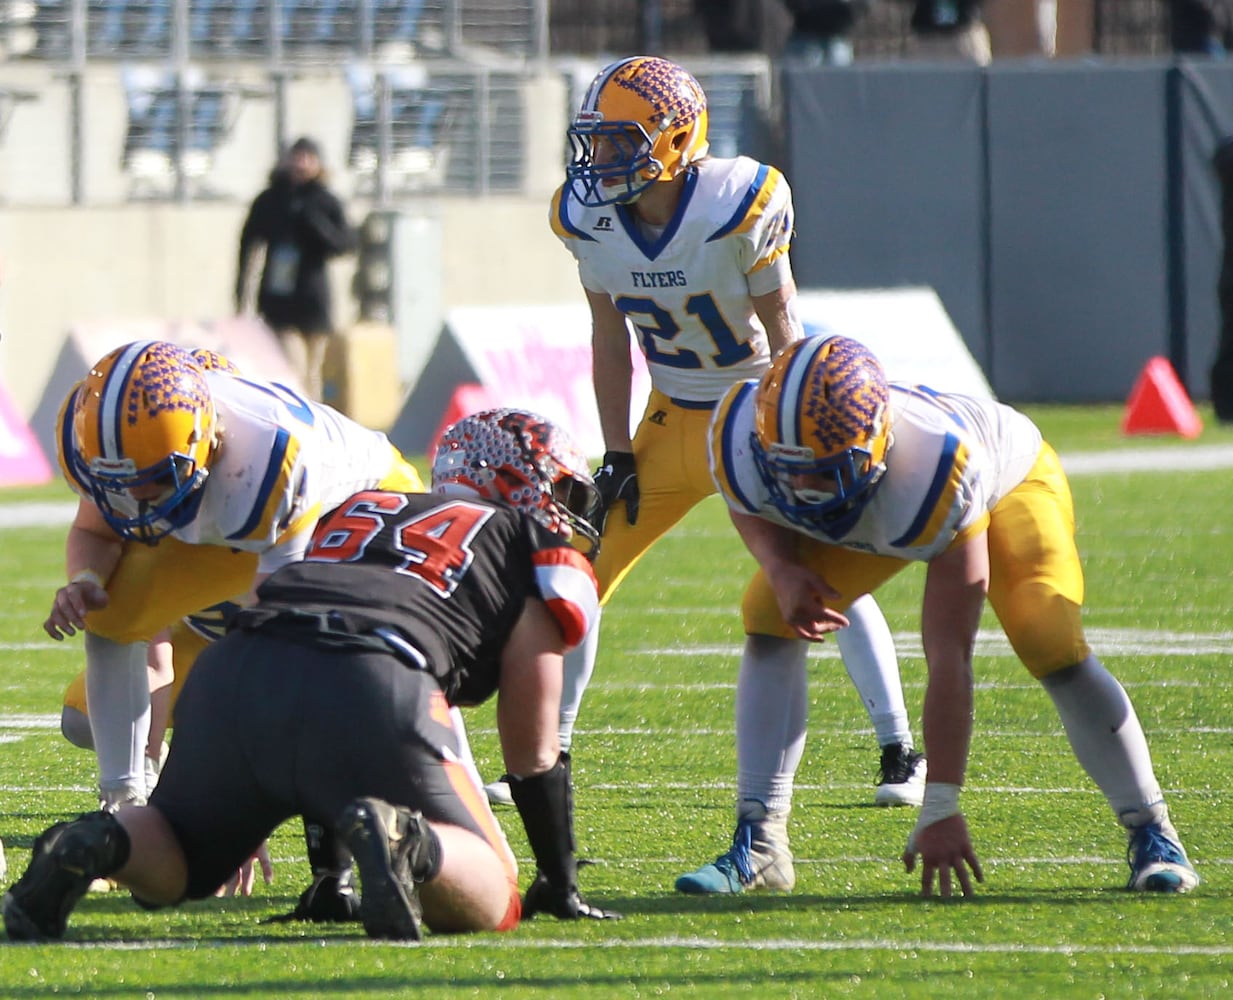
column 450, row 574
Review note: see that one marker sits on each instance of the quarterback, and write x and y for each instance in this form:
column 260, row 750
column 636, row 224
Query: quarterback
column 195, row 483
column 836, row 480
column 691, row 252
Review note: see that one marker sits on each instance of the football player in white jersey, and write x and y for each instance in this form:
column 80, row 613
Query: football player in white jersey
column 196, row 483
column 692, row 252
column 837, row 480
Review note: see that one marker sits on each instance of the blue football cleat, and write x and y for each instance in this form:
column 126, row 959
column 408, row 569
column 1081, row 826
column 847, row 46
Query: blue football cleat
column 1157, row 861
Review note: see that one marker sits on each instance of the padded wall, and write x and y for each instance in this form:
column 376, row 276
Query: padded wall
column 1078, row 229
column 886, row 169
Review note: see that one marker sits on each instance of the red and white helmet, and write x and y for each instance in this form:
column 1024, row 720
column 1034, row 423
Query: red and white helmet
column 521, row 459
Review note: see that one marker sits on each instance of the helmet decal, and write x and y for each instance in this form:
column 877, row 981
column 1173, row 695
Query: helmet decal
column 519, row 458
column 841, row 401
column 673, row 94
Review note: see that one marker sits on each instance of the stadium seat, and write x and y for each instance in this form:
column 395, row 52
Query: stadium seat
column 418, row 119
column 150, row 141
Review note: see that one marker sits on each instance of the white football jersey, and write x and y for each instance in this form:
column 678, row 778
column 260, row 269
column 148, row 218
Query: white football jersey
column 283, row 462
column 687, row 289
column 951, row 459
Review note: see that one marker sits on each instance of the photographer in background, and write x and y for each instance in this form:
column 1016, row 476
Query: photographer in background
column 293, row 229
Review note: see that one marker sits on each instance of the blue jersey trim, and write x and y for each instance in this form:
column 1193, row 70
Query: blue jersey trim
column 566, row 223
column 742, row 210
column 651, row 250
column 946, row 462
column 727, row 446
column 272, row 471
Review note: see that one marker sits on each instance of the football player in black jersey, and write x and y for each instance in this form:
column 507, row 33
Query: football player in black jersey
column 331, row 697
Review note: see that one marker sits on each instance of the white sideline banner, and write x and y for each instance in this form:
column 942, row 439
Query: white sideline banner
column 539, row 357
column 907, row 328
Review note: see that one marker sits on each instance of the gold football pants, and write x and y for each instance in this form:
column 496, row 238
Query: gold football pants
column 670, row 449
column 1035, row 577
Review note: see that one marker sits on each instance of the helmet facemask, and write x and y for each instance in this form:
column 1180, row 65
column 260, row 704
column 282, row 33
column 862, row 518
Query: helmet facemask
column 147, row 504
column 622, row 168
column 824, row 494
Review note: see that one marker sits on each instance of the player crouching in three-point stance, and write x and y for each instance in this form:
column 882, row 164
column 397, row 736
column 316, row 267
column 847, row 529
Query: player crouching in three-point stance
column 837, row 480
column 331, row 697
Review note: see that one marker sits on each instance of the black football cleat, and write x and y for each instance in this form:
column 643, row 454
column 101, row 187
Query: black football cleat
column 65, row 859
column 391, row 846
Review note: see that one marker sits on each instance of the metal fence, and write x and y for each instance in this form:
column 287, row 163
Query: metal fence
column 435, row 89
column 271, row 30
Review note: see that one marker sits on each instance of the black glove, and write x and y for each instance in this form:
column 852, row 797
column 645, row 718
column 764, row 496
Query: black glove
column 330, row 899
column 617, row 479
column 564, row 904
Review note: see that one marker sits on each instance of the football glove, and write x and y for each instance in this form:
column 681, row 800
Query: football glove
column 330, row 899
column 563, row 903
column 617, row 479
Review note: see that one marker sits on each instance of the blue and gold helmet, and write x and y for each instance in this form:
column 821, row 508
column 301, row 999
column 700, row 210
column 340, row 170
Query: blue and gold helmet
column 136, row 437
column 643, row 120
column 821, row 432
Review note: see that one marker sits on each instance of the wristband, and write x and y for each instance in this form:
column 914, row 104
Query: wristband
column 941, row 802
column 88, row 576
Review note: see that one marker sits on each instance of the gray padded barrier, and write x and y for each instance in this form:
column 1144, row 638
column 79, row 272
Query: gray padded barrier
column 1066, row 213
column 887, row 176
column 1078, row 229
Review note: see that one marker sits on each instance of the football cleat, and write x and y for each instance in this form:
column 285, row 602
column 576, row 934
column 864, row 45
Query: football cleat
column 499, row 794
column 65, row 859
column 111, row 799
column 391, row 846
column 901, row 777
column 1157, row 861
column 330, row 899
column 758, row 859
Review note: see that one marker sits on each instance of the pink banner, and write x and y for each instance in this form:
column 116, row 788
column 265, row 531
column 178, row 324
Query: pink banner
column 22, row 462
column 539, row 358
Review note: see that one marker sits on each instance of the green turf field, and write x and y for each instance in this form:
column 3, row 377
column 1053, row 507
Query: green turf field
column 653, row 766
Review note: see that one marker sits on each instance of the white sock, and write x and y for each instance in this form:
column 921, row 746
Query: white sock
column 118, row 697
column 868, row 652
column 1108, row 741
column 772, row 709
column 579, row 666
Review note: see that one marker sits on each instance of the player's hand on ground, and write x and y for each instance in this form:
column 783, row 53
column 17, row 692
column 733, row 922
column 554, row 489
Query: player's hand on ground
column 617, row 479
column 564, row 904
column 945, row 850
column 244, row 880
column 803, row 598
column 70, row 606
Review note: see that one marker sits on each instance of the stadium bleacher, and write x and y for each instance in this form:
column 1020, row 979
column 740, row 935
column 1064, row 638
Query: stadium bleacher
column 451, row 71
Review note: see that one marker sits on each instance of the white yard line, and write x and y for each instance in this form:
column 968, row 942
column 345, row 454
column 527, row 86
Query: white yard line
column 1084, row 463
column 505, row 943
